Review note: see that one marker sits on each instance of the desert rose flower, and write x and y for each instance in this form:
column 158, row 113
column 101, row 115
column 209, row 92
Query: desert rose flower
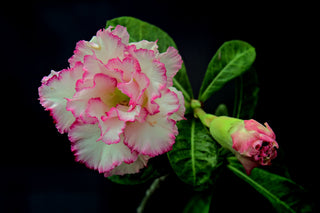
column 251, row 142
column 116, row 101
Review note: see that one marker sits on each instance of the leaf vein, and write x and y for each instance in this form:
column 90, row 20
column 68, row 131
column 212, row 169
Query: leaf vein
column 204, row 94
column 192, row 151
column 260, row 188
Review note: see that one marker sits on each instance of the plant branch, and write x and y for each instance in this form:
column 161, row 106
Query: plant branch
column 153, row 187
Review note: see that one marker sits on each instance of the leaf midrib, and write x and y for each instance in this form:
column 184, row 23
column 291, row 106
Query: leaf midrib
column 193, row 163
column 260, row 187
column 221, row 72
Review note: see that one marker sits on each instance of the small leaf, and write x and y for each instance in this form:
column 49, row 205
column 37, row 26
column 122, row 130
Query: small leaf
column 143, row 176
column 199, row 203
column 231, row 60
column 284, row 194
column 140, row 30
column 221, row 110
column 246, row 94
column 194, row 156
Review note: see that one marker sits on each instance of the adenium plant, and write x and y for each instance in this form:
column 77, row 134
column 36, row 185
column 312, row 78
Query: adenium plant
column 126, row 98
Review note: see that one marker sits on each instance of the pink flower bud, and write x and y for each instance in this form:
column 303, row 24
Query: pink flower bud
column 251, row 142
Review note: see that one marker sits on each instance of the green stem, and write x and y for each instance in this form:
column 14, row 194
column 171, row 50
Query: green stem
column 201, row 114
column 154, row 186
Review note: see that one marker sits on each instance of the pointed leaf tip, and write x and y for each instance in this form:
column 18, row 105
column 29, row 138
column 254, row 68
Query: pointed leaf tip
column 231, row 60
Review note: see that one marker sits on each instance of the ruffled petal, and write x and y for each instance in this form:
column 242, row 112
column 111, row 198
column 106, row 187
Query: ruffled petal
column 135, row 88
column 168, row 102
column 111, row 127
column 153, row 137
column 55, row 89
column 179, row 115
column 149, row 45
column 93, row 66
column 252, row 125
column 128, row 113
column 96, row 109
column 103, row 88
column 96, row 154
column 122, row 33
column 112, row 122
column 110, row 46
column 104, row 45
column 243, row 140
column 247, row 163
column 134, row 82
column 131, row 168
column 82, row 48
column 126, row 67
column 173, row 61
column 156, row 73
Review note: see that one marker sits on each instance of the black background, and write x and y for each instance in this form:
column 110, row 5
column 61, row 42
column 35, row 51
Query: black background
column 37, row 168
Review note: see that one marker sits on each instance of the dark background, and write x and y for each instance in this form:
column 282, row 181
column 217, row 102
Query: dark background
column 37, row 168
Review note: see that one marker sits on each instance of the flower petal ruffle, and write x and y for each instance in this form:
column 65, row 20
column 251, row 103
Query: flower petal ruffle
column 172, row 61
column 54, row 92
column 129, row 168
column 94, row 153
column 155, row 136
column 105, row 46
column 103, row 88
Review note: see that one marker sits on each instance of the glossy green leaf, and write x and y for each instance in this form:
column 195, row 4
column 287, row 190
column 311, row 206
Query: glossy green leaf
column 231, row 60
column 199, row 203
column 246, row 94
column 140, row 30
column 194, row 156
column 284, row 194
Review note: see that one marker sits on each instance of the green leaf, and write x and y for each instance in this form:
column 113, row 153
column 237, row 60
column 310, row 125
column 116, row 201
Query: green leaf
column 143, row 176
column 246, row 94
column 199, row 203
column 194, row 156
column 284, row 194
column 231, row 60
column 140, row 30
column 221, row 110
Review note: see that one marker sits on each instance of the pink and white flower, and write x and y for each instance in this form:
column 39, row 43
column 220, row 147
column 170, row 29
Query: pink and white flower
column 116, row 101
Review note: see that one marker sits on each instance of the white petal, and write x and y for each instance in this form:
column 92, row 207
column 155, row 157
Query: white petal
column 96, row 154
column 131, row 168
column 93, row 66
column 172, row 61
column 122, row 33
column 111, row 128
column 153, row 137
column 104, row 46
column 55, row 89
column 149, row 45
column 156, row 73
column 110, row 46
column 103, row 88
column 178, row 115
column 168, row 102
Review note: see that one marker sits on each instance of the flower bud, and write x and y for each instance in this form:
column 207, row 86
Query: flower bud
column 251, row 142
